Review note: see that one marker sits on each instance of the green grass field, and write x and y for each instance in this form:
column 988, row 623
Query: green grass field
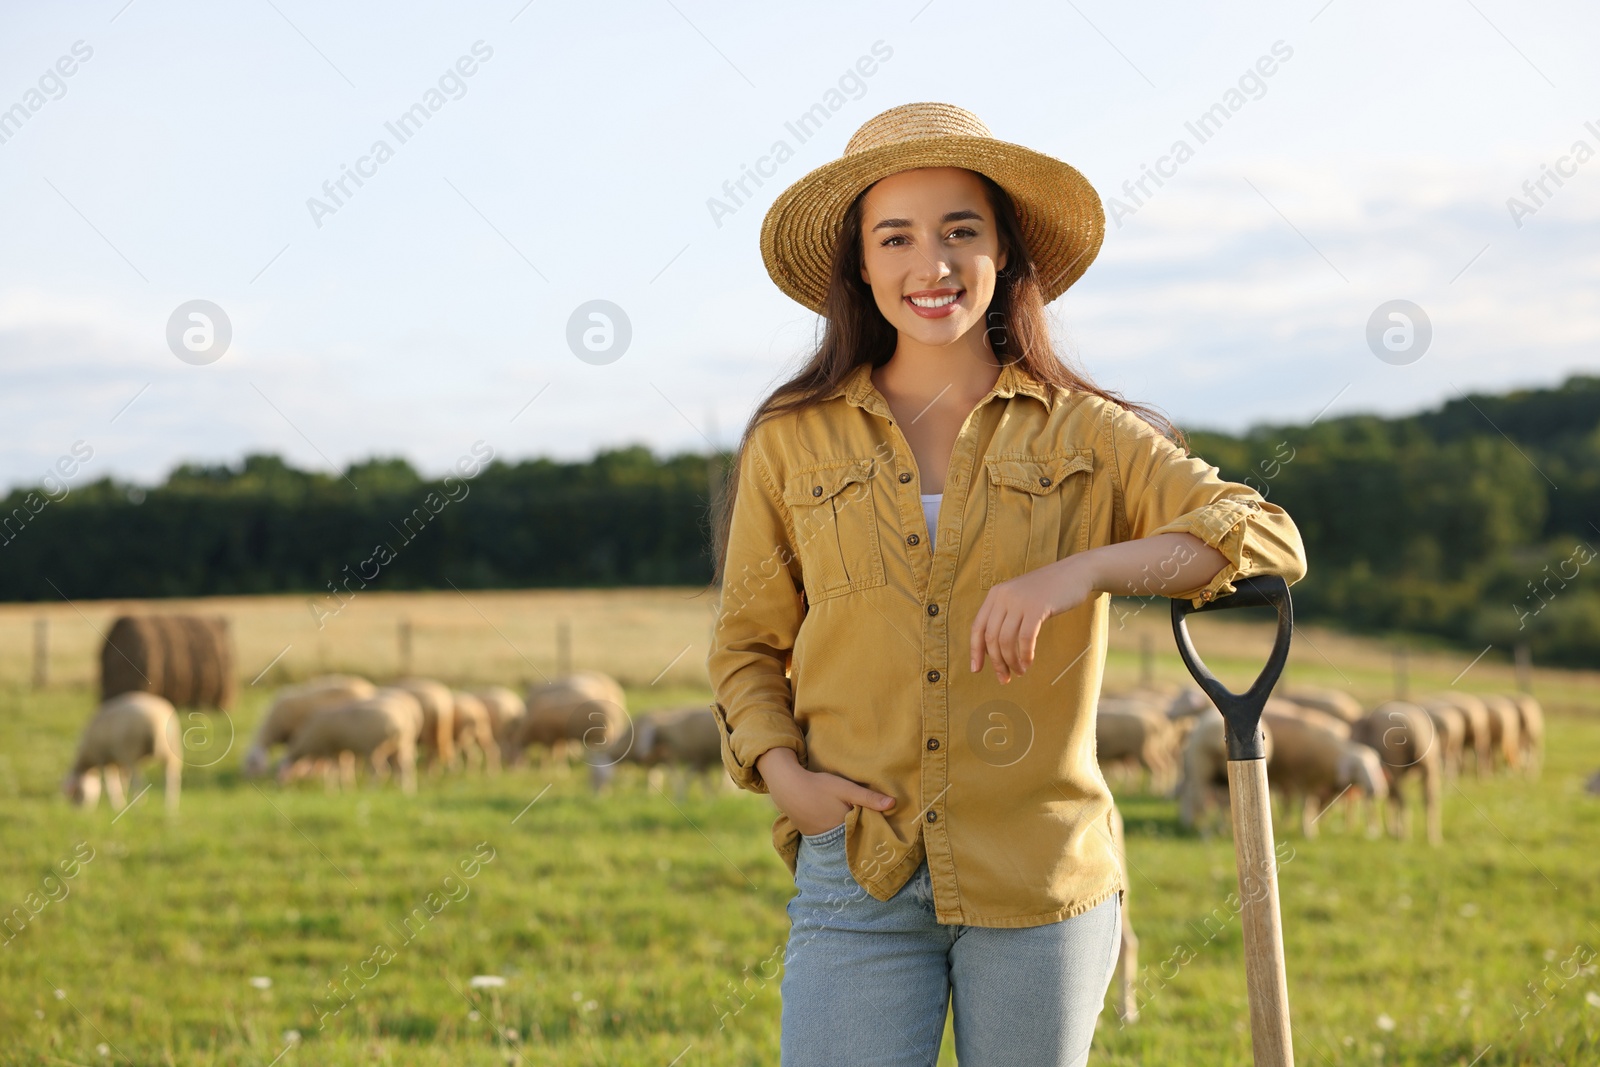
column 633, row 928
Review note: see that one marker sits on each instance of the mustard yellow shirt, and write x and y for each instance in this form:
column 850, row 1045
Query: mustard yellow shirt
column 840, row 635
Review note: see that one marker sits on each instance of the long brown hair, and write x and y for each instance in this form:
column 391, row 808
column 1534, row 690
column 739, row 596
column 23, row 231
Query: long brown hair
column 856, row 332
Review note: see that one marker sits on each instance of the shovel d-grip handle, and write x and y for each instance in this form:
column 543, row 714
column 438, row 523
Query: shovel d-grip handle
column 1241, row 711
column 1261, row 924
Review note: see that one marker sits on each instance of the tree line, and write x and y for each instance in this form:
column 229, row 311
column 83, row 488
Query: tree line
column 1478, row 522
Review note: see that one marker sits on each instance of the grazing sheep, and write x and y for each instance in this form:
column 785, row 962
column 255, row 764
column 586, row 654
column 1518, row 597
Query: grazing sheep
column 437, row 741
column 475, row 733
column 1353, row 800
column 1187, row 703
column 125, row 730
column 586, row 709
column 382, row 729
column 289, row 709
column 1322, row 720
column 1408, row 744
column 1530, row 721
column 1183, row 711
column 1335, row 702
column 1204, row 784
column 1476, row 737
column 685, row 739
column 1133, row 733
column 1315, row 764
column 504, row 708
column 1451, row 724
column 1505, row 720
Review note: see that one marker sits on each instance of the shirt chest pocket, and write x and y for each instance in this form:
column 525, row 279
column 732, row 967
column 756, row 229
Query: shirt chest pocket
column 836, row 528
column 1037, row 511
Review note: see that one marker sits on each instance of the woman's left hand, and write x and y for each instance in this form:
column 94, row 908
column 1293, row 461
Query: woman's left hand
column 1007, row 625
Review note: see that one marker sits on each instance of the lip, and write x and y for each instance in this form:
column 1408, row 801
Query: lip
column 938, row 312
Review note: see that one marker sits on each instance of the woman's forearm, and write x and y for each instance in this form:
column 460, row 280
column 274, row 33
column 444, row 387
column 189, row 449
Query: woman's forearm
column 1008, row 621
column 1153, row 566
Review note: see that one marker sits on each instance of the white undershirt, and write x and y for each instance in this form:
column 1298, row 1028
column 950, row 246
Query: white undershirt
column 930, row 511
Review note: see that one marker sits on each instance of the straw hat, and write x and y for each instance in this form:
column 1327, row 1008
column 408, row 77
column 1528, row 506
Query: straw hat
column 1061, row 214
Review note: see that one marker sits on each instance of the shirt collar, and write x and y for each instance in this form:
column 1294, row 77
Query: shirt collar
column 857, row 388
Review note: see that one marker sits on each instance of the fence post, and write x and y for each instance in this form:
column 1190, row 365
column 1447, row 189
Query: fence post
column 405, row 647
column 41, row 653
column 1402, row 676
column 1524, row 667
column 1147, row 660
column 564, row 647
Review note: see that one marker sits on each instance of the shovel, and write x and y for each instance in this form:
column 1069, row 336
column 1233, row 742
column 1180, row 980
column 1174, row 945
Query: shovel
column 1265, row 978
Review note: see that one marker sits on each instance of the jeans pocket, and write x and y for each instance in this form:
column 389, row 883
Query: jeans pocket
column 824, row 838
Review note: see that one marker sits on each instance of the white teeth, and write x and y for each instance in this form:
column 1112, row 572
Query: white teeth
column 934, row 301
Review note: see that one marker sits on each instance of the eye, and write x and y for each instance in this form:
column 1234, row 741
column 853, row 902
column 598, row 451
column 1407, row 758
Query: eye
column 892, row 237
column 963, row 230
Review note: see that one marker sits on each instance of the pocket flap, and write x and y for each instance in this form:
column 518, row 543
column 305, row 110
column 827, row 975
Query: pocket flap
column 1038, row 474
column 822, row 483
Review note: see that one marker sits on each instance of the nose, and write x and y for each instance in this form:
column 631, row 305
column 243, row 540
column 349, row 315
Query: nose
column 936, row 270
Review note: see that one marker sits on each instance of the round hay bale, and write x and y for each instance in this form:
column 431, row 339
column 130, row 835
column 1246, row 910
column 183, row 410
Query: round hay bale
column 203, row 666
column 132, row 660
column 227, row 679
column 177, row 672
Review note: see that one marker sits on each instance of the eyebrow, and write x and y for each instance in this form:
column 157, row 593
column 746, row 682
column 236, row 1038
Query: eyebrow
column 954, row 216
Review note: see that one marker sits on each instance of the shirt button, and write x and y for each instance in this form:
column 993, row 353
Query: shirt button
column 1044, row 482
column 933, row 744
column 933, row 676
column 933, row 609
column 933, row 816
column 905, row 476
column 913, row 539
column 816, row 490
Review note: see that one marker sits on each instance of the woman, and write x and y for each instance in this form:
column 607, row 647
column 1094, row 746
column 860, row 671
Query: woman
column 936, row 487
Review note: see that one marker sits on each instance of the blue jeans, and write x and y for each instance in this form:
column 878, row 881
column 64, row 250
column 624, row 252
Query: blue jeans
column 868, row 982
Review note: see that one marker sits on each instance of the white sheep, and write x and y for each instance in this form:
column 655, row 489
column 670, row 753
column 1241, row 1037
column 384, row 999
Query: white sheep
column 586, row 710
column 1477, row 738
column 1505, row 722
column 290, row 707
column 1135, row 733
column 475, row 733
column 1335, row 702
column 1531, row 731
column 1450, row 726
column 1315, row 763
column 504, row 708
column 124, row 731
column 380, row 729
column 1409, row 746
column 437, row 740
column 1204, row 784
column 687, row 740
column 1183, row 711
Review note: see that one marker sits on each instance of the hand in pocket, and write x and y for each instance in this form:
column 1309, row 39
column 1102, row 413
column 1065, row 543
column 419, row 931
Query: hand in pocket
column 815, row 801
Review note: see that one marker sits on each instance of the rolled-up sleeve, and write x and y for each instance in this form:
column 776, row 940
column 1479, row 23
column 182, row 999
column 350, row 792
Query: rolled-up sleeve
column 1161, row 490
column 758, row 616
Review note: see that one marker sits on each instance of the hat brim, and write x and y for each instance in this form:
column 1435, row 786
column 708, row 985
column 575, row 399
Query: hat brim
column 1062, row 217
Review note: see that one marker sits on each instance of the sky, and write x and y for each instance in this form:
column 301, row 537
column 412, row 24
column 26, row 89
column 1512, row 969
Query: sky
column 191, row 155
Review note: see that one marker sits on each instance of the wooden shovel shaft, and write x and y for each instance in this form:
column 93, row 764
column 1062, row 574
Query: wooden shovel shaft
column 1265, row 978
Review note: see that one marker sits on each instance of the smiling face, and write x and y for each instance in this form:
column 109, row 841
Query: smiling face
column 930, row 252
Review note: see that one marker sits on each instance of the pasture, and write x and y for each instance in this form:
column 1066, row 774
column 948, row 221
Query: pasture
column 290, row 925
